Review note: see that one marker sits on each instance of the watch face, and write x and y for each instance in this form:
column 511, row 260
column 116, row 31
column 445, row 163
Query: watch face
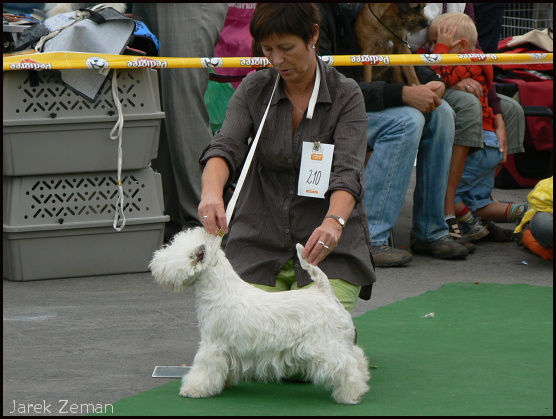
column 339, row 219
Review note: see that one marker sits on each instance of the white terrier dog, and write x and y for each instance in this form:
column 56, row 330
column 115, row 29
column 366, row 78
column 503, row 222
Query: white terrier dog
column 248, row 333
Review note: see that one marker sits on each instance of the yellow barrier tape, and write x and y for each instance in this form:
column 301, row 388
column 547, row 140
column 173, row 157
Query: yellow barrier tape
column 81, row 60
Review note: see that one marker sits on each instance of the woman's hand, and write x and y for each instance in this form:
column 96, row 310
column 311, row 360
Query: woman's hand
column 211, row 210
column 323, row 240
column 212, row 213
column 470, row 86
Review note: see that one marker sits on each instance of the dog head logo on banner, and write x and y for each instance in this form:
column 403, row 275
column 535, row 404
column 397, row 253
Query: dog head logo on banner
column 213, row 62
column 97, row 63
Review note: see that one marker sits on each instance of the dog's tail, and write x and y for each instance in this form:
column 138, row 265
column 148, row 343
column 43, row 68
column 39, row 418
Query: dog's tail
column 317, row 275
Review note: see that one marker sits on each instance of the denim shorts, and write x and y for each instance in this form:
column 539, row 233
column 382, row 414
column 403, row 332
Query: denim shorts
column 477, row 180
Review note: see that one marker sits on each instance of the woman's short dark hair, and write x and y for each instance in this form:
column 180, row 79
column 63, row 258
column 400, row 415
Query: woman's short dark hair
column 284, row 19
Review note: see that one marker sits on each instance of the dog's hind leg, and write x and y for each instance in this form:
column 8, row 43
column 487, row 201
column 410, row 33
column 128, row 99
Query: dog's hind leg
column 208, row 373
column 351, row 384
column 342, row 368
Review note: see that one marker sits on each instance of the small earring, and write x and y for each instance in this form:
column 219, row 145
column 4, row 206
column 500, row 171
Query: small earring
column 313, row 46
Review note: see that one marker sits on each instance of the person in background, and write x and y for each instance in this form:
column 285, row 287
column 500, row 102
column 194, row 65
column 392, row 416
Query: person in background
column 184, row 30
column 235, row 40
column 536, row 229
column 489, row 18
column 463, row 96
column 402, row 121
column 455, row 33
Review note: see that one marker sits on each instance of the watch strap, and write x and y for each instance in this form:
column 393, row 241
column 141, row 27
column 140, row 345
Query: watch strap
column 339, row 219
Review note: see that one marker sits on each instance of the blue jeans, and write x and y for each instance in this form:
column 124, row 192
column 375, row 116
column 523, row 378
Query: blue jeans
column 477, row 180
column 397, row 135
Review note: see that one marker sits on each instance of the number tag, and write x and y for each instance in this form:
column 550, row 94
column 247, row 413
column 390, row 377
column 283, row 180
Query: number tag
column 314, row 174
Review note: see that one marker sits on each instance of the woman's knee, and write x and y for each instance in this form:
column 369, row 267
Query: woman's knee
column 346, row 293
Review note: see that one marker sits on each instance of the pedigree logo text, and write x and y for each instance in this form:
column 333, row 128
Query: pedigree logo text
column 144, row 62
column 28, row 64
column 370, row 59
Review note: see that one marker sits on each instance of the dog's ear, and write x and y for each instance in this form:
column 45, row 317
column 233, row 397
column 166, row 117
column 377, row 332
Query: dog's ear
column 199, row 254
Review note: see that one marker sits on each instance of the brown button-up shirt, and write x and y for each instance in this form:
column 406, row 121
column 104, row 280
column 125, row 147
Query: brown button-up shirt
column 269, row 217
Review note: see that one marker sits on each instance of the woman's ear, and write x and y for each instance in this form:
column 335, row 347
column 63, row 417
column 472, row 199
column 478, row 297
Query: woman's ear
column 316, row 33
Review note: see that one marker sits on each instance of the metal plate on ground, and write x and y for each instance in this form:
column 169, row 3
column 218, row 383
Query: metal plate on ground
column 170, row 371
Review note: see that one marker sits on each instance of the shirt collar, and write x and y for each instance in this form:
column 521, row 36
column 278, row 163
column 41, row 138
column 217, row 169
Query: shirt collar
column 323, row 93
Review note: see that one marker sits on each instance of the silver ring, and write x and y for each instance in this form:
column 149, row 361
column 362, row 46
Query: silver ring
column 205, row 216
column 323, row 245
column 468, row 88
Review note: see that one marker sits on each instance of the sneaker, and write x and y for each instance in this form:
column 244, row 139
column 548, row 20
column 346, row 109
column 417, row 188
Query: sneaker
column 520, row 214
column 455, row 233
column 498, row 234
column 385, row 256
column 443, row 248
column 474, row 231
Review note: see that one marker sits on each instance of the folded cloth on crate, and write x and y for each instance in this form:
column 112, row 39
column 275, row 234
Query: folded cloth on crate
column 103, row 31
column 539, row 38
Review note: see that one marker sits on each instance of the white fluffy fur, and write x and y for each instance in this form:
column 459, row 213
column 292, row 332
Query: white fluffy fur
column 247, row 333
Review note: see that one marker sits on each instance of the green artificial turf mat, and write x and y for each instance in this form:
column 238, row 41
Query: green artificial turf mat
column 486, row 351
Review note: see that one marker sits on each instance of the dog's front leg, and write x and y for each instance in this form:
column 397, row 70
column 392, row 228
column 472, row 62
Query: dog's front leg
column 208, row 373
column 368, row 73
column 408, row 70
column 410, row 75
column 397, row 74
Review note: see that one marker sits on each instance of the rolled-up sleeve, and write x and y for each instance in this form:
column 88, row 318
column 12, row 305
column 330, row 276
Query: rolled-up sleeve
column 350, row 146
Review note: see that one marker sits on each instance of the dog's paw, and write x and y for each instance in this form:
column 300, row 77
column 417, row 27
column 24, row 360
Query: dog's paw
column 190, row 393
column 194, row 393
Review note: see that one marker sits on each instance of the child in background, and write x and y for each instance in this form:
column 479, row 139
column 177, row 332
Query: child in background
column 536, row 228
column 455, row 33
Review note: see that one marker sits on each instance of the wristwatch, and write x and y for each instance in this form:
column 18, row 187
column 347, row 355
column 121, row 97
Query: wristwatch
column 340, row 220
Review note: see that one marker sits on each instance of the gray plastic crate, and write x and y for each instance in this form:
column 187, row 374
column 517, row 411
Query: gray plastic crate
column 60, row 226
column 86, row 251
column 48, row 128
column 62, row 201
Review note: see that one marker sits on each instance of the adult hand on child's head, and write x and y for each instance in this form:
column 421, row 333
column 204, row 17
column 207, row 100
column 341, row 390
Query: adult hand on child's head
column 446, row 33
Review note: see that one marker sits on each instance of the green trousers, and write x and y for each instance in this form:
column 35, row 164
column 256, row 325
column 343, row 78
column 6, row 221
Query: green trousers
column 347, row 293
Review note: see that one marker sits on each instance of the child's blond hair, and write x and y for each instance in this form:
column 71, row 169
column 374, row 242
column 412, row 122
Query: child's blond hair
column 465, row 26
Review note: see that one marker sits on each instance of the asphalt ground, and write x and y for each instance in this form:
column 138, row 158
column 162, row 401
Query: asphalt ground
column 75, row 345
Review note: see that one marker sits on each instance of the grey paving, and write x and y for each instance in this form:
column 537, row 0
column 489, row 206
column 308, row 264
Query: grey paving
column 82, row 343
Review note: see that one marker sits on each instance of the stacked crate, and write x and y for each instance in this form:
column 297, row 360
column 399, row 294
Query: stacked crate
column 60, row 177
